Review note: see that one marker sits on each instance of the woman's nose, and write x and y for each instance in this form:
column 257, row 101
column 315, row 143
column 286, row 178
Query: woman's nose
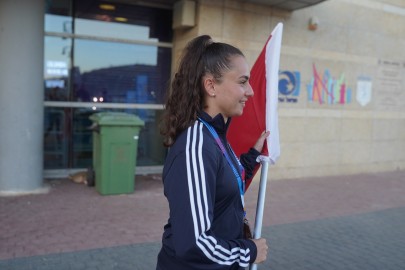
column 249, row 91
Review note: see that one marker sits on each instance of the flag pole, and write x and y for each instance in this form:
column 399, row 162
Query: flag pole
column 260, row 204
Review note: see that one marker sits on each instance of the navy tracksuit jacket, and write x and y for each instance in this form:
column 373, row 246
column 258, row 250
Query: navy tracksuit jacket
column 205, row 226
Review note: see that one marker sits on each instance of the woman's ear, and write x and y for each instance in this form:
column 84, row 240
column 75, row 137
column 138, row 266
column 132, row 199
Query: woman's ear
column 209, row 85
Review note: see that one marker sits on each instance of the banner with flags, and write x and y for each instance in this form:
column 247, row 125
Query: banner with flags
column 260, row 112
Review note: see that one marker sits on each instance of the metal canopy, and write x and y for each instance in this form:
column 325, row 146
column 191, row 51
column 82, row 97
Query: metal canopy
column 289, row 5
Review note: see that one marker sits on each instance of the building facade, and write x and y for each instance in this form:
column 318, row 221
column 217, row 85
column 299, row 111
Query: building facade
column 341, row 82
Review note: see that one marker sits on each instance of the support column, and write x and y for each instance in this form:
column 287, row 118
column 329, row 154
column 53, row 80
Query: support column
column 21, row 95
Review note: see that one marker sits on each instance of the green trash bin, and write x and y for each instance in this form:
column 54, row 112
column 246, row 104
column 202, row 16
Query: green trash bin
column 115, row 145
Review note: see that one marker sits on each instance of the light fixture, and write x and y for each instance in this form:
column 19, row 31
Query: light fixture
column 313, row 23
column 121, row 19
column 106, row 7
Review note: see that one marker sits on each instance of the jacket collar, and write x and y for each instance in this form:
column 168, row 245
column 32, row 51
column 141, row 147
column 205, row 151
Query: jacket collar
column 218, row 122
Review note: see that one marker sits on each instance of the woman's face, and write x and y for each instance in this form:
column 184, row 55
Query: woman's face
column 234, row 89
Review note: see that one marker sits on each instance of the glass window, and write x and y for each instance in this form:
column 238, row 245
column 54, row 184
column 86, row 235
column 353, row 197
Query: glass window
column 56, row 68
column 58, row 17
column 113, row 30
column 58, row 23
column 68, row 139
column 57, row 62
column 82, row 138
column 120, row 73
column 122, row 21
column 151, row 151
column 56, row 136
column 107, row 53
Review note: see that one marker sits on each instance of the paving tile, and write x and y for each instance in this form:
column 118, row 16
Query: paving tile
column 340, row 222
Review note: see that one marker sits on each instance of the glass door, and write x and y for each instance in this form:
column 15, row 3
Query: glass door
column 104, row 58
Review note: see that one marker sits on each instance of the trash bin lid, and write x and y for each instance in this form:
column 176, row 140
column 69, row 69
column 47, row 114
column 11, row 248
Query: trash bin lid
column 116, row 119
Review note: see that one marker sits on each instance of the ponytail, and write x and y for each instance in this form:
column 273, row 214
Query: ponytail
column 185, row 98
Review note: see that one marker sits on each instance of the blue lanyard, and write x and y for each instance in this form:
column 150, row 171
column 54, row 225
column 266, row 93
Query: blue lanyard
column 239, row 177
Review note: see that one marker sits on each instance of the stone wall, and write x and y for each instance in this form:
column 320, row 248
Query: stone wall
column 358, row 47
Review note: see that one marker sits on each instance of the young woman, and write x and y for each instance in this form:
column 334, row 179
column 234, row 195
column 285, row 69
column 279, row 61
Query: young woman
column 203, row 179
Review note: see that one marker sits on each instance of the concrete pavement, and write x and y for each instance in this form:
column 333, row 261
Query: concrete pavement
column 339, row 222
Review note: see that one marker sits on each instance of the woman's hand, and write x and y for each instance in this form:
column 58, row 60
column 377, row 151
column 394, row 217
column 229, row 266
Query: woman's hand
column 259, row 143
column 262, row 248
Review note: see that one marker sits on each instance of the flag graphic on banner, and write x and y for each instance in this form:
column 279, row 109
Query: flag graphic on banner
column 260, row 112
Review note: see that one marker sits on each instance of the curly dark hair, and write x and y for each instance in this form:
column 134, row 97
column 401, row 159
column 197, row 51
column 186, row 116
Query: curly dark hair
column 185, row 98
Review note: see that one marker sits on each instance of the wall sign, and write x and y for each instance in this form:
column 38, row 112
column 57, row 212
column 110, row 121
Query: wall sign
column 289, row 86
column 363, row 92
column 389, row 90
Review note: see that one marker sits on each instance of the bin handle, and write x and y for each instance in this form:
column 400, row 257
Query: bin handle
column 94, row 127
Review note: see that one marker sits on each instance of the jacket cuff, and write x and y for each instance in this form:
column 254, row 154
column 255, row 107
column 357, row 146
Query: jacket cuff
column 253, row 250
column 254, row 152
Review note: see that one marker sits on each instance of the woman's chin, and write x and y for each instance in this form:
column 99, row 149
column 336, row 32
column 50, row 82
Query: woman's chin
column 239, row 113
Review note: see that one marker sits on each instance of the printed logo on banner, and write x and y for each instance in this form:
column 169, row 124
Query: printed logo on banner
column 288, row 86
column 328, row 90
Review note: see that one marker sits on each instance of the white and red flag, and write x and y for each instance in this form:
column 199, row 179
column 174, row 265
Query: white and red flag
column 260, row 113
